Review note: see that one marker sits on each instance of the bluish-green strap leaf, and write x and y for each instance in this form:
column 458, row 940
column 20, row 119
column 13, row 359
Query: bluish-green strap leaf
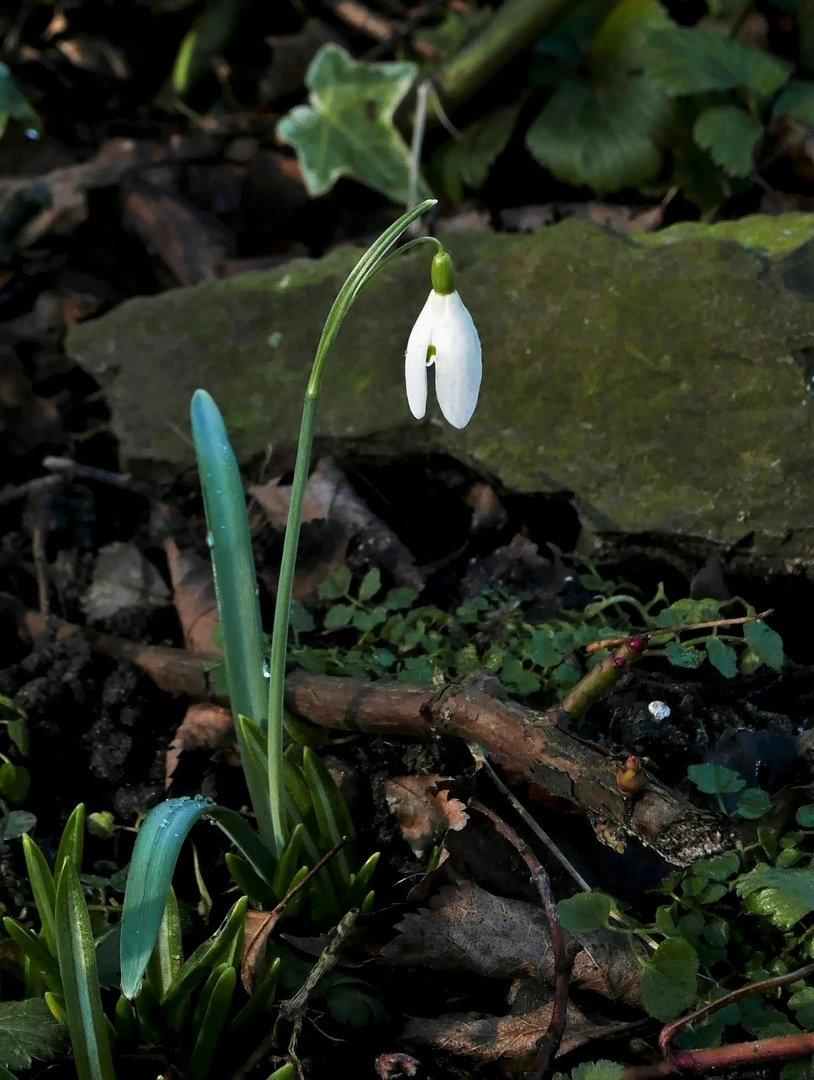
column 230, row 547
column 246, row 840
column 155, row 854
column 87, row 1025
column 330, row 808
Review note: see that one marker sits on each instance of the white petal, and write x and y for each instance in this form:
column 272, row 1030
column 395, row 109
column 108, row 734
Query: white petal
column 458, row 366
column 415, row 361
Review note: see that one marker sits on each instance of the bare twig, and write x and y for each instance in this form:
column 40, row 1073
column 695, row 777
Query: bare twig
column 765, row 986
column 549, row 1044
column 601, row 678
column 41, row 570
column 67, row 467
column 780, row 1048
column 360, row 18
column 648, row 635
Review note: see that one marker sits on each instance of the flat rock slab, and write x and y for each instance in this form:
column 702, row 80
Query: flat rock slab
column 664, row 385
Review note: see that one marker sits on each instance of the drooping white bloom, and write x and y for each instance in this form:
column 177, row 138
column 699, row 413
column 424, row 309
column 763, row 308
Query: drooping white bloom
column 444, row 335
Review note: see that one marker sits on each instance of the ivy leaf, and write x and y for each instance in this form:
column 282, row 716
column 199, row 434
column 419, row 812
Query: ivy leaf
column 695, row 61
column 714, row 779
column 585, row 912
column 669, row 980
column 785, row 895
column 723, row 657
column 347, row 128
column 28, row 1030
column 766, row 643
column 730, row 134
column 600, row 135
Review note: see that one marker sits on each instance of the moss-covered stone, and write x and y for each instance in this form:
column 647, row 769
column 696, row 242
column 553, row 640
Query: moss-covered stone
column 658, row 384
column 773, row 236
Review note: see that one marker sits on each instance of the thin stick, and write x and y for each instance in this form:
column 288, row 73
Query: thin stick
column 780, row 1048
column 549, row 1044
column 66, row 466
column 610, row 643
column 670, row 1031
column 41, row 570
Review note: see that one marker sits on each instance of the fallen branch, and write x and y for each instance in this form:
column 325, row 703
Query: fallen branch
column 780, row 1048
column 522, row 741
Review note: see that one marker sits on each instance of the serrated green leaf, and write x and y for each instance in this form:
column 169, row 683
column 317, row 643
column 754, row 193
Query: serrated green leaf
column 621, row 42
column 669, row 979
column 730, row 135
column 805, row 816
column 601, row 135
column 347, row 127
column 336, row 584
column 722, row 656
column 766, row 643
column 585, row 912
column 687, row 611
column 27, row 1031
column 401, row 598
column 797, row 101
column 300, row 618
column 785, row 895
column 695, row 61
column 517, row 679
column 471, row 155
column 371, row 583
column 595, row 1070
column 714, row 779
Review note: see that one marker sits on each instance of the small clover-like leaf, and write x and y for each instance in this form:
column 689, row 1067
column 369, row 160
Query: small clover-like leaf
column 371, row 583
column 338, row 616
column 347, row 127
column 585, row 912
column 754, row 803
column 714, row 779
column 766, row 643
column 722, row 657
column 401, row 598
column 669, row 980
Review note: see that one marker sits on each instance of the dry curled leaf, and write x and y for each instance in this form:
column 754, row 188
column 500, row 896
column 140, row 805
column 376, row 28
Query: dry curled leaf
column 466, row 928
column 205, row 727
column 193, row 590
column 424, row 809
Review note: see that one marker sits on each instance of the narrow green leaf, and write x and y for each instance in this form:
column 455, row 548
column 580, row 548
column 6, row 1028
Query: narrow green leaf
column 71, row 844
column 168, row 952
column 148, row 882
column 288, row 864
column 329, row 806
column 249, row 882
column 43, row 962
column 77, row 963
column 205, row 957
column 258, row 1002
column 42, row 887
column 212, row 1024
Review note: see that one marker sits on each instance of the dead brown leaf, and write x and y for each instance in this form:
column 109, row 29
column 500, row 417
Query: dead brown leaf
column 424, row 809
column 466, row 928
column 205, row 727
column 514, row 1036
column 193, row 590
column 259, row 925
column 190, row 243
column 329, row 497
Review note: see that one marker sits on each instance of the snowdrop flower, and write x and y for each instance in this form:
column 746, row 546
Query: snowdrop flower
column 444, row 335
